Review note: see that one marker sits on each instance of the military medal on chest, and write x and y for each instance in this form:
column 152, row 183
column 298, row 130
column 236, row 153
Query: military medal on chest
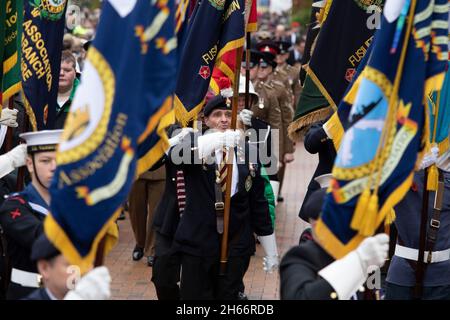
column 261, row 103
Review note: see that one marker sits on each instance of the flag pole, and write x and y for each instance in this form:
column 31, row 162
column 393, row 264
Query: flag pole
column 226, row 215
column 247, row 71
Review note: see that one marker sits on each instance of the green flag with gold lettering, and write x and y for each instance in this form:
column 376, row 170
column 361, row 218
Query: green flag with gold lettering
column 12, row 17
column 340, row 46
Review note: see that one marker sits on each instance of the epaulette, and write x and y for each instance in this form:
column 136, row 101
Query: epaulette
column 276, row 83
column 268, row 85
column 14, row 200
column 15, row 197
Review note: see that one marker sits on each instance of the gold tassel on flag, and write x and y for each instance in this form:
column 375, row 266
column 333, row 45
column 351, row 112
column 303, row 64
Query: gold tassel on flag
column 360, row 210
column 433, row 174
column 390, row 217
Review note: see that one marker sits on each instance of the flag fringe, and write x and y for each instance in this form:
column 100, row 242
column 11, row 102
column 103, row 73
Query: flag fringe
column 334, row 129
column 63, row 243
column 298, row 127
column 184, row 116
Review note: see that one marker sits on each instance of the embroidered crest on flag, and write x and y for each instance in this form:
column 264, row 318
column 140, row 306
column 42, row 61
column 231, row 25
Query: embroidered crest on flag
column 50, row 9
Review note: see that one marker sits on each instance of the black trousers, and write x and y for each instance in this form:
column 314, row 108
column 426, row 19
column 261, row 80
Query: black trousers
column 313, row 186
column 166, row 269
column 200, row 279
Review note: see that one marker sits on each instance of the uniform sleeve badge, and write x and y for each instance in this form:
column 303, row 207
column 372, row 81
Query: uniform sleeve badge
column 15, row 214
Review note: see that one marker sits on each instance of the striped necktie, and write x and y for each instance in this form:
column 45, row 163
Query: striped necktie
column 222, row 170
column 181, row 191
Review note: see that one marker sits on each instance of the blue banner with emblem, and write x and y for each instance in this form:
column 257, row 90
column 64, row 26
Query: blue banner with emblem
column 116, row 126
column 215, row 28
column 42, row 42
column 439, row 111
column 375, row 163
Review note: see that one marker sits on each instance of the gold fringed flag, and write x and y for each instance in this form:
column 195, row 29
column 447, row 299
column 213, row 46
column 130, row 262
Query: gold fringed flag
column 116, row 125
column 387, row 134
column 340, row 46
column 216, row 29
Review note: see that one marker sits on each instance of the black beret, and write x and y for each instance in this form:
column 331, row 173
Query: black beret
column 314, row 204
column 43, row 249
column 217, row 102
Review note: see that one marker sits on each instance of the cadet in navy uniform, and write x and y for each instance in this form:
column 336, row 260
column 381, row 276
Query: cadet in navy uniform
column 308, row 272
column 22, row 214
column 401, row 279
column 198, row 236
column 57, row 273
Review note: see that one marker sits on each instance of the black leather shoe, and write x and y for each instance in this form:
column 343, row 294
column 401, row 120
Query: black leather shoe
column 150, row 260
column 280, row 199
column 121, row 216
column 138, row 253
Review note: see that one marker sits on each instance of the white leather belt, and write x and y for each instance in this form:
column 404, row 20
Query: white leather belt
column 25, row 278
column 413, row 254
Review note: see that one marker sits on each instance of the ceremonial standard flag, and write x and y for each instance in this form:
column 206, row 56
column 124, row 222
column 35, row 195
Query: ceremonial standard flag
column 215, row 28
column 233, row 38
column 375, row 163
column 11, row 48
column 341, row 44
column 43, row 30
column 118, row 115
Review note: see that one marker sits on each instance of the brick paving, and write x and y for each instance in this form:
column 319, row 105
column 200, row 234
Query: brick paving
column 131, row 280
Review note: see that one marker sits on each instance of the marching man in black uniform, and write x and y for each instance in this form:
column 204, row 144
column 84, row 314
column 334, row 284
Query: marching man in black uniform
column 198, row 236
column 22, row 214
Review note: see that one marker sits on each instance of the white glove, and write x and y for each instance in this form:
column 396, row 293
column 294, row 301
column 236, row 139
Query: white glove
column 271, row 260
column 373, row 251
column 9, row 117
column 348, row 274
column 180, row 136
column 13, row 159
column 95, row 285
column 246, row 117
column 430, row 158
column 275, row 188
column 209, row 143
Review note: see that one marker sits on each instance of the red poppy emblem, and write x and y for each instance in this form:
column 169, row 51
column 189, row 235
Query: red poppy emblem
column 350, row 74
column 205, row 72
